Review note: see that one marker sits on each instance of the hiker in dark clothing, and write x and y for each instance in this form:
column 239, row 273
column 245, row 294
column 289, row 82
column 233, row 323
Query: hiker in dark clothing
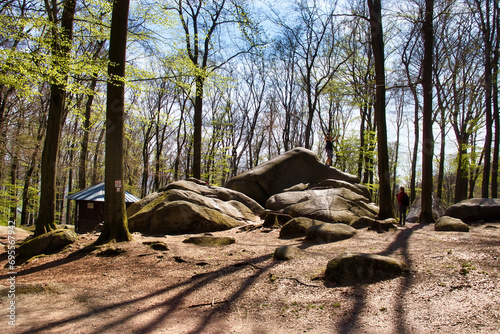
column 403, row 203
column 329, row 149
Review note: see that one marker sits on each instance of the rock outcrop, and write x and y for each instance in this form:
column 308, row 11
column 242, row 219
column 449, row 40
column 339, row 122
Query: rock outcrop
column 190, row 207
column 287, row 170
column 475, row 209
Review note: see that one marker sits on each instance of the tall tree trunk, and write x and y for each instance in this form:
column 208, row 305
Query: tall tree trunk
column 487, row 40
column 361, row 152
column 4, row 95
column 145, row 162
column 70, row 188
column 384, row 172
column 115, row 217
column 442, row 157
column 496, row 112
column 426, row 215
column 14, row 166
column 496, row 136
column 84, row 145
column 95, row 168
column 45, row 222
column 414, row 160
column 197, row 127
column 462, row 169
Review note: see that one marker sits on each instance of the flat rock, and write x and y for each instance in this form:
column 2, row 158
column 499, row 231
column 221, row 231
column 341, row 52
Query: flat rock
column 210, row 241
column 356, row 268
column 325, row 233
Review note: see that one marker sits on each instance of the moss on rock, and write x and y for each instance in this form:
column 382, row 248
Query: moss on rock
column 48, row 243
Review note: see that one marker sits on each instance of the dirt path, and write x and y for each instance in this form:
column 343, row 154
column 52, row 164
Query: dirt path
column 453, row 287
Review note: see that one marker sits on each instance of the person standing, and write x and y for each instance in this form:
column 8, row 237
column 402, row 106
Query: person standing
column 329, row 149
column 403, row 203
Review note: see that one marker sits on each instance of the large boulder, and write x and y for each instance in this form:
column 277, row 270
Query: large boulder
column 325, row 233
column 451, row 224
column 192, row 207
column 294, row 167
column 355, row 268
column 339, row 205
column 475, row 209
column 178, row 217
column 47, row 243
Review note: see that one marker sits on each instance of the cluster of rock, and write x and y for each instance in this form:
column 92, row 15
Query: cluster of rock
column 294, row 186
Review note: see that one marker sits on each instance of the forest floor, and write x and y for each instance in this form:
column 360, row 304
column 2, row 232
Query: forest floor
column 453, row 286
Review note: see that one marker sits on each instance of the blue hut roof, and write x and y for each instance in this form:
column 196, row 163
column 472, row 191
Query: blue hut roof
column 96, row 194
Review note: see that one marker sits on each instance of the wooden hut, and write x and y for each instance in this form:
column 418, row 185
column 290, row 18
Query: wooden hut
column 90, row 207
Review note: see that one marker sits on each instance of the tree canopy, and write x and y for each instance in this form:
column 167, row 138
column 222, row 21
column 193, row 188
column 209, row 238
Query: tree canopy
column 213, row 88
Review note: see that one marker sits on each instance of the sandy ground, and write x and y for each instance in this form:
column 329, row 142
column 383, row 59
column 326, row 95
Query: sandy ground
column 452, row 286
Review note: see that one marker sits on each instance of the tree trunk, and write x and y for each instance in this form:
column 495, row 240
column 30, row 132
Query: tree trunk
column 95, row 168
column 442, row 157
column 496, row 113
column 426, row 215
column 487, row 40
column 82, row 169
column 197, row 127
column 384, row 172
column 115, row 216
column 145, row 162
column 45, row 221
column 462, row 169
column 361, row 154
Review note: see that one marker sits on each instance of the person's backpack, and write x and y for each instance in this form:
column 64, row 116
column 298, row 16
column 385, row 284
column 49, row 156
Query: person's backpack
column 406, row 200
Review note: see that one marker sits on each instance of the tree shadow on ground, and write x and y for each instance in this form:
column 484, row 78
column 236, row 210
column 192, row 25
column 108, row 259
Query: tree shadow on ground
column 74, row 256
column 401, row 242
column 167, row 307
